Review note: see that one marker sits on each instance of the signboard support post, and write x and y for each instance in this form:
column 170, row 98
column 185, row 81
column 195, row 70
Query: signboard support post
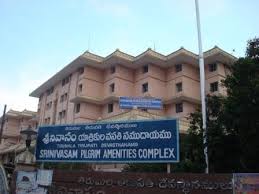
column 168, row 168
column 42, row 165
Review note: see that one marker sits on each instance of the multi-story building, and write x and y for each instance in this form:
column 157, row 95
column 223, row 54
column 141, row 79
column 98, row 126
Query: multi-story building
column 15, row 121
column 11, row 143
column 88, row 89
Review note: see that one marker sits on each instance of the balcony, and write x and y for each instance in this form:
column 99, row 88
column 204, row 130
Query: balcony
column 95, row 100
column 179, row 98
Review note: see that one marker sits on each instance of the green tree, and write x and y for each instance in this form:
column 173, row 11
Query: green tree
column 252, row 50
column 242, row 106
column 222, row 145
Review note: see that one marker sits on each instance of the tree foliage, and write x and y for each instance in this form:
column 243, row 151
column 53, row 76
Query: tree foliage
column 242, row 106
column 222, row 150
column 252, row 50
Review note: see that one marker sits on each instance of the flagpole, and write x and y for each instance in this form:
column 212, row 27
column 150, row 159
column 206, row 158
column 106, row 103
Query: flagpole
column 202, row 86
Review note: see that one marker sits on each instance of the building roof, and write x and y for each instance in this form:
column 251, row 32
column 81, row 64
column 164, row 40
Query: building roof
column 182, row 56
column 149, row 56
column 14, row 148
column 217, row 54
column 118, row 57
column 19, row 114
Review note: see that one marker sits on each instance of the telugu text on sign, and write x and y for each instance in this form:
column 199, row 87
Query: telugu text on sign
column 122, row 142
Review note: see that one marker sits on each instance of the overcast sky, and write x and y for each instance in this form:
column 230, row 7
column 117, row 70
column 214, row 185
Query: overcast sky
column 38, row 38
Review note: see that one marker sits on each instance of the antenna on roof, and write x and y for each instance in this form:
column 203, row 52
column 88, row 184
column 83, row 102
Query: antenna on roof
column 154, row 46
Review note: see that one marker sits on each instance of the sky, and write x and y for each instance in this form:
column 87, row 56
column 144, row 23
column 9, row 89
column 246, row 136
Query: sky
column 38, row 38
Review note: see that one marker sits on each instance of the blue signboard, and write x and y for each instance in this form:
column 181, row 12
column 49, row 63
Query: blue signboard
column 116, row 142
column 140, row 102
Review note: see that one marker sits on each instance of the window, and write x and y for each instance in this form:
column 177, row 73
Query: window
column 60, row 115
column 48, row 105
column 214, row 87
column 145, row 69
column 179, row 87
column 11, row 160
column 64, row 113
column 47, row 120
column 179, row 107
column 41, row 96
column 110, row 108
column 63, row 97
column 145, row 87
column 212, row 67
column 178, row 68
column 112, row 87
column 77, row 108
column 66, row 80
column 113, row 69
column 80, row 88
column 81, row 70
column 50, row 91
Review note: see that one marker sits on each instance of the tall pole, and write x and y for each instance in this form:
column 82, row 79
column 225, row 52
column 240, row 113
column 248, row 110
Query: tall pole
column 2, row 124
column 202, row 86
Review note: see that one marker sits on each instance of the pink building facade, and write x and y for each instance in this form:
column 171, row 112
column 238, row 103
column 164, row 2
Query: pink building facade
column 88, row 89
column 15, row 121
column 11, row 142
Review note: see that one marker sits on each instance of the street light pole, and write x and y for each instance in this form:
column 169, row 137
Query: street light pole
column 202, row 86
